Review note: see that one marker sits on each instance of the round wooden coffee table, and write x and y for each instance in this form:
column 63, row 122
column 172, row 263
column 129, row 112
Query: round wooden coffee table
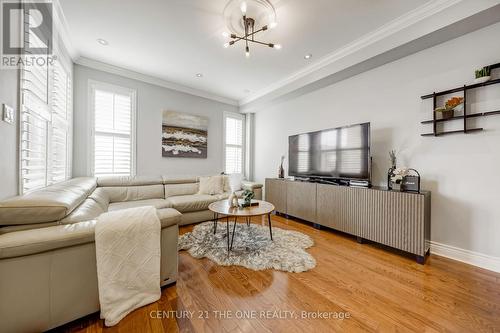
column 222, row 208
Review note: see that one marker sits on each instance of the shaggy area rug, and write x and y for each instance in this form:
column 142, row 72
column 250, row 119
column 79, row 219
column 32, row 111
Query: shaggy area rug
column 252, row 247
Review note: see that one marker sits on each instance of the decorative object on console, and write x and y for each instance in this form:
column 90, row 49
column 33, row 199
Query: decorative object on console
column 392, row 156
column 483, row 75
column 396, row 178
column 184, row 135
column 281, row 171
column 242, row 19
column 411, row 181
column 404, row 180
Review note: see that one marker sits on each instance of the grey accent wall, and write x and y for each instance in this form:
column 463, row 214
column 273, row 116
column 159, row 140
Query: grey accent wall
column 9, row 94
column 460, row 170
column 151, row 101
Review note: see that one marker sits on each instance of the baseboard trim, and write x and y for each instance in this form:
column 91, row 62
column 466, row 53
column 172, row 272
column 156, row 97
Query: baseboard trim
column 469, row 257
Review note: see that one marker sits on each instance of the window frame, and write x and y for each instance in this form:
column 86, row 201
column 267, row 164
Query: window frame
column 94, row 85
column 242, row 117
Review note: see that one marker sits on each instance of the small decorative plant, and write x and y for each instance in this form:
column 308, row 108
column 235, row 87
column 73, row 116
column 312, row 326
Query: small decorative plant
column 281, row 170
column 483, row 72
column 392, row 156
column 247, row 198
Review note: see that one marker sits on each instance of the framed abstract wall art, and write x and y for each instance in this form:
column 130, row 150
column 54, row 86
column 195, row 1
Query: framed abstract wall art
column 184, row 135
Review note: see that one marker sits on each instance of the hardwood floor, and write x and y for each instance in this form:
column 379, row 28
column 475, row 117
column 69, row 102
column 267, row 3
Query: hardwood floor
column 381, row 291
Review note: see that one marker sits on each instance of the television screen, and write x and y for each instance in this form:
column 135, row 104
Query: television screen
column 341, row 153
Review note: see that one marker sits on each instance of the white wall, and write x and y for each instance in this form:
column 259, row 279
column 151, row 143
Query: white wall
column 460, row 170
column 9, row 94
column 151, row 101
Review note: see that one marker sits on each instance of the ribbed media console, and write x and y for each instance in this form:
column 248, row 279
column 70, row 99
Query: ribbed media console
column 399, row 220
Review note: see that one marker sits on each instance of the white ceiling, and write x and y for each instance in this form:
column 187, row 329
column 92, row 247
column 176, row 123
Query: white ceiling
column 175, row 39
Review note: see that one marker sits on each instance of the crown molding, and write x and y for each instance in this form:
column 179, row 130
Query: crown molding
column 112, row 69
column 408, row 19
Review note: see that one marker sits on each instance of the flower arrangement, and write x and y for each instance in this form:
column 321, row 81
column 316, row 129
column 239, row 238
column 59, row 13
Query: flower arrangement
column 453, row 102
column 398, row 174
column 451, row 105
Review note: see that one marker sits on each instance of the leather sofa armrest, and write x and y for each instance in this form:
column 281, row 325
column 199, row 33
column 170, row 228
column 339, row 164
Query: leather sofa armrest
column 247, row 185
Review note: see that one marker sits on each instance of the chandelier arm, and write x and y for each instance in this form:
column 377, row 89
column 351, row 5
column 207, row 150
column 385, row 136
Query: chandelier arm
column 258, row 42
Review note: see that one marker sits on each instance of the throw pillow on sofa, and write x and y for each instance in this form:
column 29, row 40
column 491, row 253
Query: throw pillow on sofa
column 233, row 182
column 211, row 185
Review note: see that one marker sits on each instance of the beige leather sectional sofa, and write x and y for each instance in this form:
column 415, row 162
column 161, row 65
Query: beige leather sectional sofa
column 48, row 273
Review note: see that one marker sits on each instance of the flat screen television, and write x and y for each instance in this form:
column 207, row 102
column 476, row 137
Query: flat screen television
column 337, row 153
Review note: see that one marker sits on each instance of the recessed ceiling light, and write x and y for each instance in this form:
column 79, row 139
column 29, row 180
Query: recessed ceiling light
column 199, row 75
column 102, row 41
column 308, row 56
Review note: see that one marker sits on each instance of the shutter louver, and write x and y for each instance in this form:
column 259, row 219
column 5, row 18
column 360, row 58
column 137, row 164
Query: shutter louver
column 61, row 123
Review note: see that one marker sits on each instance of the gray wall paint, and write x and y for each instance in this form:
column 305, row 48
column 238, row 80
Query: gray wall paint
column 151, row 101
column 460, row 170
column 9, row 94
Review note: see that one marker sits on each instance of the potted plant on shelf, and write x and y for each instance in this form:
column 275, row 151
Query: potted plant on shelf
column 483, row 75
column 451, row 105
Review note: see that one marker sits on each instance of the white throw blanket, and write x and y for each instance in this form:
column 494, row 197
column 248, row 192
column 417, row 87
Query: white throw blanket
column 128, row 261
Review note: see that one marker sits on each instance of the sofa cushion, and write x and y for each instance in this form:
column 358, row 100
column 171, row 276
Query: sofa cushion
column 101, row 197
column 132, row 193
column 211, row 185
column 179, row 179
column 32, row 241
column 49, row 204
column 234, row 180
column 21, row 227
column 21, row 243
column 110, row 181
column 172, row 190
column 88, row 210
column 156, row 203
column 192, row 203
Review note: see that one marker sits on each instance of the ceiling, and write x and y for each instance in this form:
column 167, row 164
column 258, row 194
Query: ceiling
column 173, row 40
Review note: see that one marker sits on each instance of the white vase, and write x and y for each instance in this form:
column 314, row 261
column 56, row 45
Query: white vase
column 233, row 200
column 482, row 79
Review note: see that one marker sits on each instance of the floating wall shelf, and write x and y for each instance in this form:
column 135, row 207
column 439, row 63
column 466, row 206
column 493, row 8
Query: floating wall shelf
column 465, row 116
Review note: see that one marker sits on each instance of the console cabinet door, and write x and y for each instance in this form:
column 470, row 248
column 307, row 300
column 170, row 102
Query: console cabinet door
column 339, row 207
column 301, row 200
column 276, row 194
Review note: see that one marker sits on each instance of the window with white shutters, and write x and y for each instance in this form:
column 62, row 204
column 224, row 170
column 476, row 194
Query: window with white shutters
column 113, row 130
column 61, row 125
column 45, row 120
column 234, row 152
